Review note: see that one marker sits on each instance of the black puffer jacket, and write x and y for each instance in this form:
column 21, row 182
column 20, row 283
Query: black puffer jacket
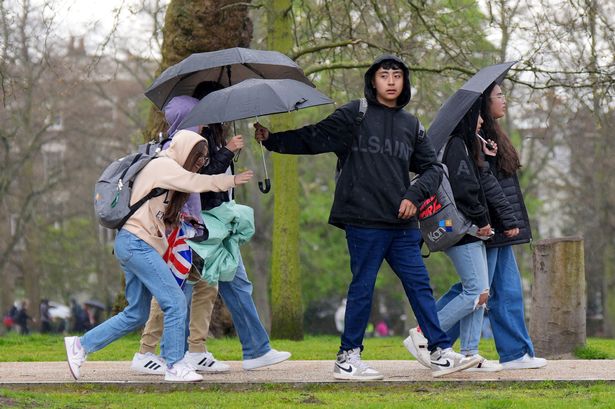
column 500, row 210
column 512, row 191
column 465, row 180
column 220, row 159
column 374, row 179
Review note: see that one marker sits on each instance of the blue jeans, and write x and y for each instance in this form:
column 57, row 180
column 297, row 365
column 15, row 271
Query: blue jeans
column 146, row 274
column 470, row 261
column 237, row 296
column 506, row 312
column 400, row 248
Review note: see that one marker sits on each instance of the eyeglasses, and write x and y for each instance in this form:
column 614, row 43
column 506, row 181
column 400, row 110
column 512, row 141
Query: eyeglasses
column 501, row 97
column 202, row 160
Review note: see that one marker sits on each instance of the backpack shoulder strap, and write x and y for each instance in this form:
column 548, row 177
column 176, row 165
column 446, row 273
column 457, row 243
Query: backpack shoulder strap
column 355, row 131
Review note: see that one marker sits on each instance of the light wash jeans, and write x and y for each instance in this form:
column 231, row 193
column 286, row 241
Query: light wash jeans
column 146, row 274
column 237, row 296
column 470, row 261
column 506, row 313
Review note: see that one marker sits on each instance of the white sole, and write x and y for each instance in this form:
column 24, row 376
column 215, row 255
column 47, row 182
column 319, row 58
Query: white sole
column 345, row 377
column 145, row 371
column 416, row 354
column 70, row 367
column 469, row 364
column 521, row 366
column 251, row 367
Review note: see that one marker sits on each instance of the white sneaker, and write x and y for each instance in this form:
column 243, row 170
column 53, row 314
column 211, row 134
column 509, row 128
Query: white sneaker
column 181, row 372
column 416, row 344
column 148, row 363
column 525, row 362
column 205, row 362
column 270, row 358
column 75, row 355
column 447, row 361
column 350, row 366
column 485, row 365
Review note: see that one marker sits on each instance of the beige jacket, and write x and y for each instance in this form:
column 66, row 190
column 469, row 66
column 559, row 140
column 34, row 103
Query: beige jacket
column 167, row 172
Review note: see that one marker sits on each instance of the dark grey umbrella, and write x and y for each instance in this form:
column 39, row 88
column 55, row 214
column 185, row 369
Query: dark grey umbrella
column 458, row 104
column 226, row 67
column 253, row 98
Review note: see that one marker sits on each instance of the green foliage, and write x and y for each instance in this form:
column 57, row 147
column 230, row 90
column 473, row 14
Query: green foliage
column 72, row 260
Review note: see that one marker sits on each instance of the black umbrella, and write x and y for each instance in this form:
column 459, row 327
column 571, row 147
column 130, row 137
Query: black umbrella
column 225, row 67
column 458, row 104
column 95, row 304
column 254, row 98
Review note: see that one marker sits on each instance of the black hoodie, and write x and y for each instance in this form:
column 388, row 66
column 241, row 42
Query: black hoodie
column 378, row 156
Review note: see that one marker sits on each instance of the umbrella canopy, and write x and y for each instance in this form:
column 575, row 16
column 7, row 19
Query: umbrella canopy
column 253, row 98
column 458, row 104
column 226, row 67
column 59, row 311
column 95, row 304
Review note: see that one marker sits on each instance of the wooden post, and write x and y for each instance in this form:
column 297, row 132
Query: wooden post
column 557, row 322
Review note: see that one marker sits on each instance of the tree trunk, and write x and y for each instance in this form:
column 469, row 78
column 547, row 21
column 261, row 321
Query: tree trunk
column 197, row 27
column 286, row 304
column 557, row 323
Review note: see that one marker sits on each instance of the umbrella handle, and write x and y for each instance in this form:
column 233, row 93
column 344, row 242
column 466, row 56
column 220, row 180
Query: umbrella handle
column 266, row 187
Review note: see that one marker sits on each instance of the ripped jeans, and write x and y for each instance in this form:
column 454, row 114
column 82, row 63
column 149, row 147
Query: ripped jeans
column 470, row 261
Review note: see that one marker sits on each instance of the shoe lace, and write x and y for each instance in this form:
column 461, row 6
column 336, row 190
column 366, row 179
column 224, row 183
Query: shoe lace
column 354, row 358
column 182, row 369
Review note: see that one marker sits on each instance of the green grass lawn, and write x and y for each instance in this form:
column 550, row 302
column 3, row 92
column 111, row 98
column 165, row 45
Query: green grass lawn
column 433, row 396
column 37, row 347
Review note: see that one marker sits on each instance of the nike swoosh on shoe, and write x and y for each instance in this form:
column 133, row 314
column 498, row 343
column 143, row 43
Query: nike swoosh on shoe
column 349, row 370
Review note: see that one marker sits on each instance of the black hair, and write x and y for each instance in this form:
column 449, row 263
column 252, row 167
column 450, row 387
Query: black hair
column 466, row 128
column 205, row 88
column 389, row 65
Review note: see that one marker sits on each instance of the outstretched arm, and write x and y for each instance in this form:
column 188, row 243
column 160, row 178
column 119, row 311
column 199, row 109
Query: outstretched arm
column 332, row 134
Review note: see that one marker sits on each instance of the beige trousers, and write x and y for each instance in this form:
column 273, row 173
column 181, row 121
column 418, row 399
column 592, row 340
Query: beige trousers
column 203, row 300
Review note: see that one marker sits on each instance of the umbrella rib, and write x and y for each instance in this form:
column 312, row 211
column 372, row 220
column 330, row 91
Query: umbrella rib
column 254, row 70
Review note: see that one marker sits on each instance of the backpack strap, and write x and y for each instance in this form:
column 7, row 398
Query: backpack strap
column 355, row 132
column 158, row 191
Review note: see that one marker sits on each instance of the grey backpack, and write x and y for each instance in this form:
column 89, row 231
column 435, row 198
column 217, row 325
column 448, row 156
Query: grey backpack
column 442, row 224
column 114, row 187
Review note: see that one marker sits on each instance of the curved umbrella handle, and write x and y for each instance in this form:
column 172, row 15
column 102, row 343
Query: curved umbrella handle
column 266, row 187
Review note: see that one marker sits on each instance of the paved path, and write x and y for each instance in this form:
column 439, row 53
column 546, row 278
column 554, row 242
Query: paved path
column 295, row 373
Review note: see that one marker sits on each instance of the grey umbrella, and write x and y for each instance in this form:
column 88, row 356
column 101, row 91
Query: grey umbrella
column 458, row 104
column 253, row 98
column 226, row 67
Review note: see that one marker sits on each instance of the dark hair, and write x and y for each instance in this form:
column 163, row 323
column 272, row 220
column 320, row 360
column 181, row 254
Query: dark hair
column 178, row 199
column 205, row 88
column 508, row 161
column 466, row 128
column 217, row 134
column 389, row 65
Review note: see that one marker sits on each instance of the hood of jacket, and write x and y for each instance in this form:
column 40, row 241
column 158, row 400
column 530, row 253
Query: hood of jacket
column 370, row 91
column 181, row 146
column 176, row 110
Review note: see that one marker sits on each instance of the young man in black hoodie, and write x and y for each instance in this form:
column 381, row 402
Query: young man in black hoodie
column 375, row 204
